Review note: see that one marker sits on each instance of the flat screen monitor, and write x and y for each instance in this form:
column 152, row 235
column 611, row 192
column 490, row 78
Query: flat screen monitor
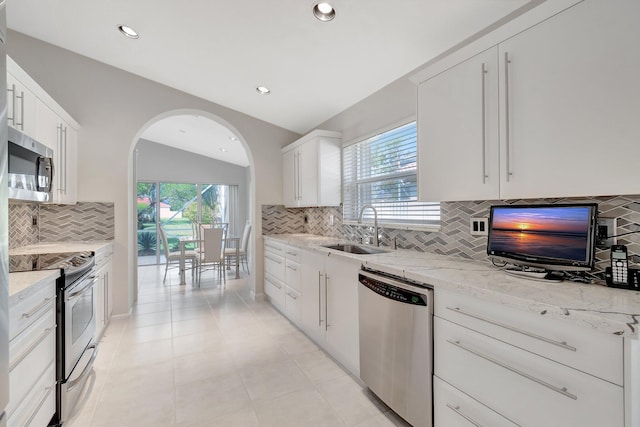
column 553, row 237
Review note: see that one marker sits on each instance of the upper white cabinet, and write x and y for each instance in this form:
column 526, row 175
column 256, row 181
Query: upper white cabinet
column 311, row 170
column 568, row 103
column 458, row 154
column 34, row 112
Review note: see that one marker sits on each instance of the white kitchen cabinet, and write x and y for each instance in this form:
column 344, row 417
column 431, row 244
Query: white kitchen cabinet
column 311, row 170
column 458, row 132
column 104, row 290
column 32, row 353
column 21, row 104
column 567, row 103
column 329, row 307
column 529, row 369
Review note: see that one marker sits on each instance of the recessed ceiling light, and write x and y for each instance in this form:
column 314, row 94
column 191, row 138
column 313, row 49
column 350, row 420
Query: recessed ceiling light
column 262, row 90
column 324, row 11
column 233, row 138
column 224, row 150
column 128, row 31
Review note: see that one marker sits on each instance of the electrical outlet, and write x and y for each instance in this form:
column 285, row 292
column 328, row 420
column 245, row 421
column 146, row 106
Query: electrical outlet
column 606, row 232
column 479, row 226
column 34, row 220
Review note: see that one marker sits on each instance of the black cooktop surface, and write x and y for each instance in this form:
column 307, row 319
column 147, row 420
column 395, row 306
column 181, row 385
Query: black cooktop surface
column 52, row 261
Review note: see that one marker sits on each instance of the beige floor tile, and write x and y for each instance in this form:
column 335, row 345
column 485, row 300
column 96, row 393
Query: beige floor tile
column 273, row 379
column 245, row 418
column 145, row 334
column 351, row 401
column 319, row 367
column 148, row 319
column 304, row 408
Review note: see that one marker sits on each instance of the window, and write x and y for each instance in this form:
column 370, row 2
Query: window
column 382, row 171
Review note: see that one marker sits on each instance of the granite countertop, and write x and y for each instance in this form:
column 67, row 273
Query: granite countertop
column 18, row 282
column 595, row 306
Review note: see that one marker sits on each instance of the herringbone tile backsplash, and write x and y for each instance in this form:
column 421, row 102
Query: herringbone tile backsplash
column 454, row 237
column 83, row 221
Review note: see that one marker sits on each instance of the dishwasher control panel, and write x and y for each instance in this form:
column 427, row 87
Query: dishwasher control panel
column 393, row 292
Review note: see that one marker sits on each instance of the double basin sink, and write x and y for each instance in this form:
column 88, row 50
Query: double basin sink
column 356, row 249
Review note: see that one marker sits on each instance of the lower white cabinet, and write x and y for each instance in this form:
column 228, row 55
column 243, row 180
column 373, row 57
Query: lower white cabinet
column 492, row 357
column 32, row 354
column 104, row 290
column 329, row 306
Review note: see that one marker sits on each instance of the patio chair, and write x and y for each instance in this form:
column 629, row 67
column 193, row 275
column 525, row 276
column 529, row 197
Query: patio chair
column 174, row 257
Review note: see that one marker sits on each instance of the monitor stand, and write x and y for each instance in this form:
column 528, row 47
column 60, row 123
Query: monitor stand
column 532, row 274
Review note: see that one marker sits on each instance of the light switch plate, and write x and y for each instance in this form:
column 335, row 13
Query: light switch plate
column 606, row 232
column 479, row 226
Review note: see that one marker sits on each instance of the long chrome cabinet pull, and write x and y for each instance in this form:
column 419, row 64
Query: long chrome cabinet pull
column 277, row 285
column 64, row 158
column 457, row 410
column 273, row 259
column 562, row 344
column 507, row 61
column 13, row 104
column 38, row 308
column 299, row 180
column 563, row 391
column 320, row 299
column 326, row 302
column 41, row 338
column 484, row 126
column 21, row 97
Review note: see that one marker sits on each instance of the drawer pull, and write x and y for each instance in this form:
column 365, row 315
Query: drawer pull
column 273, row 259
column 24, row 354
column 563, row 391
column 277, row 285
column 38, row 308
column 292, row 253
column 47, row 392
column 562, row 344
column 292, row 268
column 274, row 248
column 292, row 295
column 457, row 410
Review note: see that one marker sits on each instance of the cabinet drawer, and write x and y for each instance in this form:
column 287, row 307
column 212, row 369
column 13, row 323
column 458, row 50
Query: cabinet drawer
column 292, row 254
column 29, row 307
column 453, row 408
column 274, row 288
column 292, row 304
column 39, row 405
column 589, row 351
column 292, row 274
column 274, row 248
column 521, row 386
column 28, row 365
column 274, row 265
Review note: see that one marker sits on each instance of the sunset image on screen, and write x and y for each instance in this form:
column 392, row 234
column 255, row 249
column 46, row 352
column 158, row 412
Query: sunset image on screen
column 555, row 232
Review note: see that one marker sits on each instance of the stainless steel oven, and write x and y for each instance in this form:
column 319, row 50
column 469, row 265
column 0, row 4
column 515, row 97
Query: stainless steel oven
column 79, row 319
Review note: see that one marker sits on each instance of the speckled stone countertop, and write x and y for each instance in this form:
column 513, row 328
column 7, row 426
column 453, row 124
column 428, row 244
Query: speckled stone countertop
column 594, row 306
column 19, row 282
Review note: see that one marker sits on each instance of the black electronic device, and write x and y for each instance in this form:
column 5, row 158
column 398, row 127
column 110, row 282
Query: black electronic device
column 554, row 237
column 619, row 265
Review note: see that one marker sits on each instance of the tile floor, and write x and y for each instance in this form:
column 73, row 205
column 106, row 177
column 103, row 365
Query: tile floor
column 214, row 357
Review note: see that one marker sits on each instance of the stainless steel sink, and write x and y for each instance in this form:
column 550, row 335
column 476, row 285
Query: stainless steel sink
column 356, row 249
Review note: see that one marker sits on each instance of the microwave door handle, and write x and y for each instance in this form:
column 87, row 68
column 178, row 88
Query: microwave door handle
column 39, row 160
column 50, row 164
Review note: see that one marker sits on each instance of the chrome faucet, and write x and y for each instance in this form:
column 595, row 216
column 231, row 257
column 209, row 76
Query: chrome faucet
column 375, row 222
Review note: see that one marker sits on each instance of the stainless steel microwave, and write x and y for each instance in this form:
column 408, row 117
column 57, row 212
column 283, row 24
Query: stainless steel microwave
column 30, row 168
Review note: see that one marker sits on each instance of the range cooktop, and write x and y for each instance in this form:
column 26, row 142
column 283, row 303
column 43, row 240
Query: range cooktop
column 66, row 261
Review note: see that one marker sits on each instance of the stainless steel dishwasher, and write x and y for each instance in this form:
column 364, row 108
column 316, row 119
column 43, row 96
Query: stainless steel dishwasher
column 396, row 344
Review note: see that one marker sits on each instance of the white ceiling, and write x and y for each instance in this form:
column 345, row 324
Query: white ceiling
column 221, row 50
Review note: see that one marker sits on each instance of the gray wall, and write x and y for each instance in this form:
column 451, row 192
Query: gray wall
column 157, row 162
column 113, row 107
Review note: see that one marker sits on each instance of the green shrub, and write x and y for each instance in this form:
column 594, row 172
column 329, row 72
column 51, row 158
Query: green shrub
column 147, row 242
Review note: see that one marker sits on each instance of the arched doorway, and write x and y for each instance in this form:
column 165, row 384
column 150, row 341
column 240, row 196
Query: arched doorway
column 196, row 151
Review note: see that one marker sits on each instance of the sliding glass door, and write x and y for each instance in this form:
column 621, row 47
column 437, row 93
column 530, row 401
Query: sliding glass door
column 178, row 207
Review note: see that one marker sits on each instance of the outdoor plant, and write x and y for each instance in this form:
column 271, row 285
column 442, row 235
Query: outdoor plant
column 147, row 241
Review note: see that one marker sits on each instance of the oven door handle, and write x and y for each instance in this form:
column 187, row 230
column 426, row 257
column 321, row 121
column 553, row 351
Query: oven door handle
column 74, row 295
column 86, row 369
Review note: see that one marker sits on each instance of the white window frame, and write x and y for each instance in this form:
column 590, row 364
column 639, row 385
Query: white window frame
column 350, row 183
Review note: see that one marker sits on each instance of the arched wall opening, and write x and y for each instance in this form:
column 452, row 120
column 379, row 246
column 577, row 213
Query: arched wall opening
column 132, row 189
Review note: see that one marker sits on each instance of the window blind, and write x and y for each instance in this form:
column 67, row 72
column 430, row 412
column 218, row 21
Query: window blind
column 382, row 171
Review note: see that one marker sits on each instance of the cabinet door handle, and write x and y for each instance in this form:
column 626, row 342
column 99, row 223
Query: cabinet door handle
column 563, row 391
column 21, row 97
column 326, row 302
column 507, row 61
column 484, row 125
column 562, row 344
column 273, row 259
column 63, row 158
column 298, row 178
column 292, row 268
column 320, row 299
column 457, row 410
column 37, row 342
column 37, row 309
column 13, row 104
